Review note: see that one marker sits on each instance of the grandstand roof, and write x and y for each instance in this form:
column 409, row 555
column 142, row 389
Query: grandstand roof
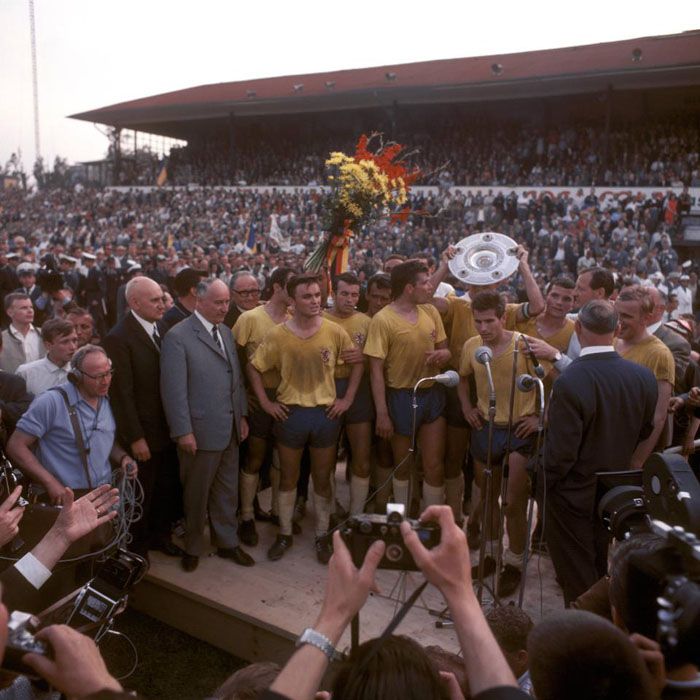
column 648, row 62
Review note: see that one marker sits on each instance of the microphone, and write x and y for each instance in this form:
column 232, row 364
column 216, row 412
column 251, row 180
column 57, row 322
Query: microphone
column 539, row 370
column 483, row 354
column 525, row 382
column 449, row 378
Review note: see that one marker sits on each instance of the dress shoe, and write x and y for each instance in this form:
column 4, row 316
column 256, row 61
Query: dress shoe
column 489, row 568
column 262, row 516
column 168, row 548
column 247, row 533
column 508, row 581
column 324, row 549
column 296, row 528
column 189, row 562
column 281, row 544
column 236, row 555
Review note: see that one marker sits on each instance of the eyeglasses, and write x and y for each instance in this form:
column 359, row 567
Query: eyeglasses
column 100, row 377
column 247, row 292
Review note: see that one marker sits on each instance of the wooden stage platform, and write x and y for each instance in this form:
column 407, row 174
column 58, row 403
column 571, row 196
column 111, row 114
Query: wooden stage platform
column 256, row 613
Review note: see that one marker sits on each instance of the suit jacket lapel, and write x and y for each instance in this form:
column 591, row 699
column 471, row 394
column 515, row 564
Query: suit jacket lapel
column 206, row 337
column 140, row 332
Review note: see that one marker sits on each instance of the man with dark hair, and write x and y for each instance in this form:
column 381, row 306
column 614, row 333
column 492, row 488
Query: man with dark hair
column 579, row 656
column 511, row 626
column 249, row 330
column 14, row 401
column 406, row 342
column 378, row 293
column 83, row 323
column 185, row 288
column 489, row 311
column 601, row 408
column 61, row 342
column 458, row 316
column 634, row 307
column 305, row 351
column 596, row 283
column 359, row 417
column 21, row 341
column 553, row 324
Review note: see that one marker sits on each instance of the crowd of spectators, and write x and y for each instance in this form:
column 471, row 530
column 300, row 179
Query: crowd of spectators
column 463, row 153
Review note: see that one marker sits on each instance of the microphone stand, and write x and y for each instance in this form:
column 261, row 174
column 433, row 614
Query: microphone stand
column 488, row 486
column 505, row 465
column 531, row 503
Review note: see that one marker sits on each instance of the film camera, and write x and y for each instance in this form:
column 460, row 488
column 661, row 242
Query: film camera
column 21, row 628
column 663, row 498
column 362, row 530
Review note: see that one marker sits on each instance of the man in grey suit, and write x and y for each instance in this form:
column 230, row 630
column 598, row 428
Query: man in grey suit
column 205, row 405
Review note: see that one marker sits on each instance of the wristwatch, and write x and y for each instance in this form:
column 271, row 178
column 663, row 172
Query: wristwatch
column 320, row 641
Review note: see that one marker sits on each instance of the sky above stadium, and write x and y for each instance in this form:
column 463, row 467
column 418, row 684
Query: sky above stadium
column 92, row 53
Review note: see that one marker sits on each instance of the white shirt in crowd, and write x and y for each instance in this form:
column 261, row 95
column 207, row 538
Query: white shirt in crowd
column 43, row 374
column 444, row 289
column 148, row 326
column 685, row 301
column 31, row 342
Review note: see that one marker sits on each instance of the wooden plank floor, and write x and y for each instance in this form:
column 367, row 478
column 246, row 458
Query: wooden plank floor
column 257, row 612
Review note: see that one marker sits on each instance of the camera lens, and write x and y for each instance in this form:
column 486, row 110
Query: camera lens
column 365, row 527
column 394, row 552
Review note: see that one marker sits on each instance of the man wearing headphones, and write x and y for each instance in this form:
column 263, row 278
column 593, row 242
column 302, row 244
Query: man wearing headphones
column 72, row 428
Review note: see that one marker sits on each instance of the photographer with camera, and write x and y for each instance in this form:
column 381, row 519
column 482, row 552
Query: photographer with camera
column 446, row 566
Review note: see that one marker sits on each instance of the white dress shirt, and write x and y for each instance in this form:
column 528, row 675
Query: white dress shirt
column 148, row 326
column 43, row 374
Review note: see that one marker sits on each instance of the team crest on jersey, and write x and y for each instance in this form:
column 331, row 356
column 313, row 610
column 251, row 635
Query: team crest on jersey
column 359, row 339
column 325, row 355
column 433, row 335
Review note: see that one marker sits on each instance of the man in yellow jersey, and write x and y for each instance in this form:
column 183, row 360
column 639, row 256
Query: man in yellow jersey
column 635, row 308
column 591, row 285
column 248, row 332
column 305, row 350
column 407, row 342
column 458, row 318
column 489, row 311
column 379, row 296
column 359, row 417
column 553, row 325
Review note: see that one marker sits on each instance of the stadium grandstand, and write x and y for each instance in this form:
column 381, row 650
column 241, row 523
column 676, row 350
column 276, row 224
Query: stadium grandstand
column 620, row 113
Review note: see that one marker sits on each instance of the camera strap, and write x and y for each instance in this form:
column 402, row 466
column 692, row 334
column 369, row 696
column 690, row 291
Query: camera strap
column 391, row 627
column 79, row 441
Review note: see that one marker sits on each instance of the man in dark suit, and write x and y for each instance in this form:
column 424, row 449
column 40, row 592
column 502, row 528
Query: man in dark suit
column 185, row 288
column 133, row 345
column 92, row 293
column 205, row 404
column 245, row 295
column 601, row 408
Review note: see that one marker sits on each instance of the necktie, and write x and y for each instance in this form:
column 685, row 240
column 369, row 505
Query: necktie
column 215, row 335
column 156, row 337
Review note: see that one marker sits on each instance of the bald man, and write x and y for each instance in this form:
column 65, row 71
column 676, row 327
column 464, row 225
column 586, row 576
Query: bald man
column 133, row 345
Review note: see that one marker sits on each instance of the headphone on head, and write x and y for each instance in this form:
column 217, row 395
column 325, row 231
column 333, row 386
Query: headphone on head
column 75, row 373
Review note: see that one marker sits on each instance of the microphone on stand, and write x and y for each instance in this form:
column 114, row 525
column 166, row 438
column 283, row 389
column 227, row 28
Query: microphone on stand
column 483, row 354
column 449, row 378
column 525, row 382
column 539, row 369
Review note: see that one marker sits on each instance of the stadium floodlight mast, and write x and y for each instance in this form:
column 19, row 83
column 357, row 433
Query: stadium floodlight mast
column 35, row 81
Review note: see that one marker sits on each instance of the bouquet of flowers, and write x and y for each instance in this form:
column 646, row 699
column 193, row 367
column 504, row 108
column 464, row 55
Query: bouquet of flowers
column 372, row 183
